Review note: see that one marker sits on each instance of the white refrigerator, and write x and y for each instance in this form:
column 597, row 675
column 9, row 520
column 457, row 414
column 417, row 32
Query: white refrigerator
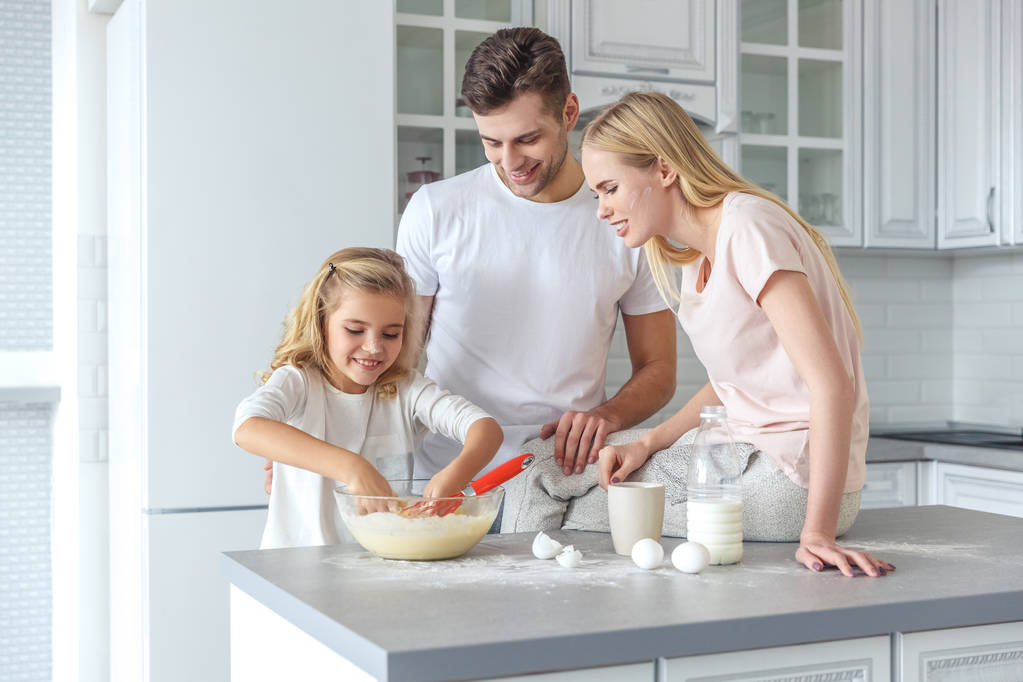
column 247, row 140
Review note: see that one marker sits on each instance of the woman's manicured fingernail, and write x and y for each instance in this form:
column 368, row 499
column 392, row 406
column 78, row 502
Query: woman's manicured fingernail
column 615, row 480
column 817, row 566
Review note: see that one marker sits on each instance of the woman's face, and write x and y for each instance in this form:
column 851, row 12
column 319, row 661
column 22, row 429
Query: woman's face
column 632, row 199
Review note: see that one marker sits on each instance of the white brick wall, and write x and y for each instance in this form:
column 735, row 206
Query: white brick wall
column 988, row 331
column 905, row 307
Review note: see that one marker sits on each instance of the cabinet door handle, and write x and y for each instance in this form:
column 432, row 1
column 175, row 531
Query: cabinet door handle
column 990, row 219
column 632, row 68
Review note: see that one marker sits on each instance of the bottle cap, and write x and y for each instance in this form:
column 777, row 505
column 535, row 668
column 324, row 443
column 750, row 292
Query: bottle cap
column 712, row 411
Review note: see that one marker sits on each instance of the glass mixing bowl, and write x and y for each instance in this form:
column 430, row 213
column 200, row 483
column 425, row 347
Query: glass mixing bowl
column 379, row 526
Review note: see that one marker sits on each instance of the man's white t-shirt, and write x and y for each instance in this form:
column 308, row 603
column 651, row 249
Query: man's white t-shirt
column 385, row 431
column 527, row 297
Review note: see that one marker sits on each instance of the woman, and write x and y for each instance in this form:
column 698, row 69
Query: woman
column 768, row 314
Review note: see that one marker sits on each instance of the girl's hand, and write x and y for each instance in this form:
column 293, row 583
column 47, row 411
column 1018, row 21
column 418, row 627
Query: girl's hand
column 443, row 484
column 817, row 550
column 616, row 462
column 367, row 481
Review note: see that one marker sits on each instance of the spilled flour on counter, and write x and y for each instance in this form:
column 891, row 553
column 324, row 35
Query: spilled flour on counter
column 882, row 547
column 489, row 567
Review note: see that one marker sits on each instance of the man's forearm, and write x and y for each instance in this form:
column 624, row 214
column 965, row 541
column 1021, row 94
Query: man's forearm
column 648, row 390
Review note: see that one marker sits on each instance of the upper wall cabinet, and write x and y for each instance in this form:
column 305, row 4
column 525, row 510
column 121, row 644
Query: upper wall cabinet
column 899, row 123
column 1012, row 123
column 670, row 39
column 435, row 134
column 686, row 49
column 969, row 66
column 799, row 97
column 943, row 158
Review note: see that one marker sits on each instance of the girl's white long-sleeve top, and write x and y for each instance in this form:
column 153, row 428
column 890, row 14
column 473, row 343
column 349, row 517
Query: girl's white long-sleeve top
column 385, row 431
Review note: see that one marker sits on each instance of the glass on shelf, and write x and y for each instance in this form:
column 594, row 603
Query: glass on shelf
column 820, row 186
column 765, row 21
column 820, row 24
column 465, row 43
column 420, row 160
column 820, row 98
column 766, row 167
column 468, row 151
column 764, row 95
column 434, row 8
column 420, row 70
column 489, row 10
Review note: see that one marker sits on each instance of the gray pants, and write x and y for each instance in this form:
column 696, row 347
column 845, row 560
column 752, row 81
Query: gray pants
column 543, row 498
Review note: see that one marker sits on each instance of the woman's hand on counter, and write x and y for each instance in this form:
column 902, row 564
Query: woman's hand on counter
column 616, row 462
column 818, row 550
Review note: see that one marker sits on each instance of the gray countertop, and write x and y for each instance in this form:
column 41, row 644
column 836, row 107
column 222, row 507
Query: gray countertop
column 881, row 449
column 499, row 611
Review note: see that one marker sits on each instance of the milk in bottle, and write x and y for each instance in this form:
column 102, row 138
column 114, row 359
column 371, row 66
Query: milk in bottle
column 714, row 507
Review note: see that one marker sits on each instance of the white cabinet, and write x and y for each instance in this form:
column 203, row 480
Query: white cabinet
column 969, row 67
column 851, row 659
column 980, row 488
column 661, row 39
column 634, row 672
column 800, row 103
column 435, row 134
column 986, row 652
column 889, row 484
column 686, row 49
column 1012, row 122
column 899, row 123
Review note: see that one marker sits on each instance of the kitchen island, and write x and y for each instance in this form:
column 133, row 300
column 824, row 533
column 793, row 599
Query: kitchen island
column 337, row 612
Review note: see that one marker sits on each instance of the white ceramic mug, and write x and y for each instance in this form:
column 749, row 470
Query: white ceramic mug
column 635, row 510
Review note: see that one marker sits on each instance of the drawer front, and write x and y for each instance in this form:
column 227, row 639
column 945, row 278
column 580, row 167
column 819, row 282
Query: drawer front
column 981, row 489
column 986, row 652
column 889, row 484
column 866, row 659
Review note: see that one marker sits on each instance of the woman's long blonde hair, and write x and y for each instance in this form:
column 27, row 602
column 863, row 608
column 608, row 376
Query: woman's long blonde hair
column 643, row 127
column 378, row 271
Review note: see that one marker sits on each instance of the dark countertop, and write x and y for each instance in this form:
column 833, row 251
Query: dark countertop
column 499, row 611
column 881, row 449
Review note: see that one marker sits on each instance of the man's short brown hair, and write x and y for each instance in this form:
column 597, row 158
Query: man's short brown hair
column 512, row 62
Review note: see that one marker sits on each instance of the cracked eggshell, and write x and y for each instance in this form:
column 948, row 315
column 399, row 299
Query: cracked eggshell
column 570, row 557
column 690, row 557
column 647, row 553
column 545, row 547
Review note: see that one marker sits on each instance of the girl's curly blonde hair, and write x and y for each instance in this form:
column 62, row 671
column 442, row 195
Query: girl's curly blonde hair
column 378, row 271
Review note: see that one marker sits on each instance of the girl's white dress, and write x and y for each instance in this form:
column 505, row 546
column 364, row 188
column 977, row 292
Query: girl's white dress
column 383, row 430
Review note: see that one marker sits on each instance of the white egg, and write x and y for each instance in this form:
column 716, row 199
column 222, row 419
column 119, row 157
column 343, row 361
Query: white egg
column 570, row 557
column 545, row 547
column 647, row 553
column 690, row 557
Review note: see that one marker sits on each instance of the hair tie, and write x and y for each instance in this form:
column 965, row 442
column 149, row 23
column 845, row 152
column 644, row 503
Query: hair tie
column 332, row 269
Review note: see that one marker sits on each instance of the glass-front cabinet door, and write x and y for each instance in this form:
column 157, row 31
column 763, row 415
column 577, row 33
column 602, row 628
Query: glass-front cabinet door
column 798, row 101
column 436, row 135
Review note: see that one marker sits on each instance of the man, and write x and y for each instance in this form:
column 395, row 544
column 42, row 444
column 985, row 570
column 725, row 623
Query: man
column 522, row 283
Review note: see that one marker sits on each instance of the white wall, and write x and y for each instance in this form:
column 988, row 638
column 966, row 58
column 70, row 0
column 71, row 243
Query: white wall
column 905, row 307
column 988, row 332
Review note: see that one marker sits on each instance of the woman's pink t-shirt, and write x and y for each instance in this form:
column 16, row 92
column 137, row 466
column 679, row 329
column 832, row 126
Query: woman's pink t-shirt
column 768, row 403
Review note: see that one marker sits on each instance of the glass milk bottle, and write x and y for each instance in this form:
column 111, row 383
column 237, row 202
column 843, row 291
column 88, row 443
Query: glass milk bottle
column 714, row 507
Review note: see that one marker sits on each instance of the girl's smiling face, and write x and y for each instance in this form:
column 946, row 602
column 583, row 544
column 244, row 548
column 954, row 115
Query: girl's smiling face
column 364, row 337
column 631, row 199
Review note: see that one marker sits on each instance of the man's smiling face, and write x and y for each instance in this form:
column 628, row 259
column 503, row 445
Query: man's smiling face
column 526, row 144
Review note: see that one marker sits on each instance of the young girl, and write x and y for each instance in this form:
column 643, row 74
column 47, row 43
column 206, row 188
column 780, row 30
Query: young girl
column 768, row 314
column 343, row 402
